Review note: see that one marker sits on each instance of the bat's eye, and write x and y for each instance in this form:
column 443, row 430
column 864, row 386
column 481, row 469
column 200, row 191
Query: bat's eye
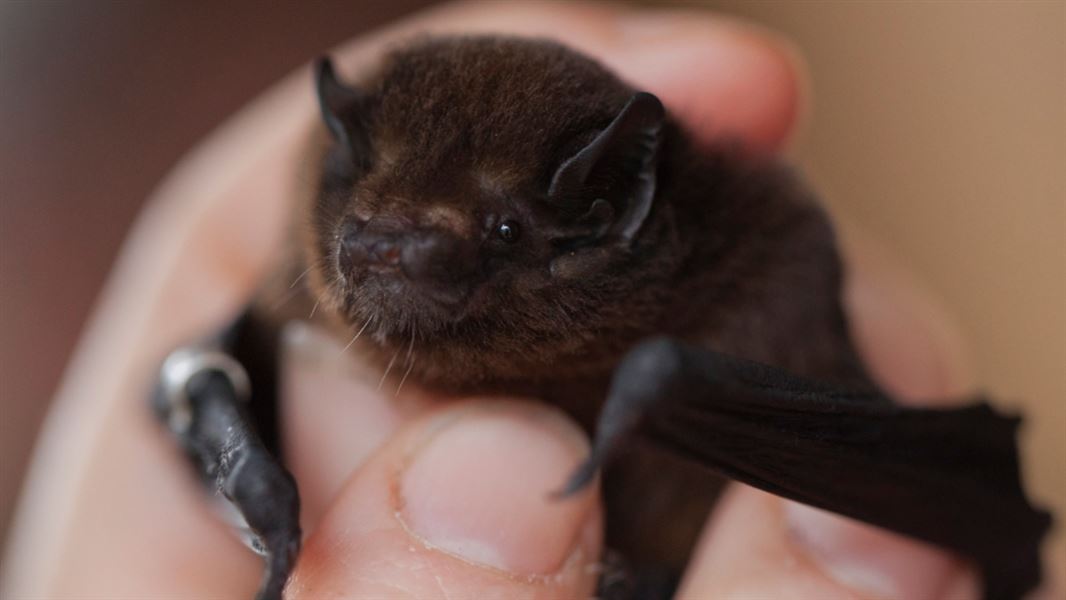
column 508, row 231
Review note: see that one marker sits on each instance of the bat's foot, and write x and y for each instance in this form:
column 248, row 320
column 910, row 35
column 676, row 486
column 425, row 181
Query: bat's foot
column 267, row 498
column 202, row 399
column 622, row 580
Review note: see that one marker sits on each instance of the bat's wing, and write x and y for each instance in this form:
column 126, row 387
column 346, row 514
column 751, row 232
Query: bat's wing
column 949, row 476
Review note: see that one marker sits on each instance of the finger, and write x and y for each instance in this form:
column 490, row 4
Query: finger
column 456, row 506
column 761, row 545
column 720, row 76
column 335, row 412
column 908, row 341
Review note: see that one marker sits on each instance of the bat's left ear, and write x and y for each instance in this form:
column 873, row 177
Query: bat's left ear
column 624, row 153
column 335, row 99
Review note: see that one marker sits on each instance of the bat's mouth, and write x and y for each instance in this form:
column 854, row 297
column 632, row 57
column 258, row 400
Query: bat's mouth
column 394, row 304
column 414, row 297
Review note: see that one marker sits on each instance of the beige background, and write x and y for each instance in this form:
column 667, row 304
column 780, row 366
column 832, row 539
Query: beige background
column 941, row 127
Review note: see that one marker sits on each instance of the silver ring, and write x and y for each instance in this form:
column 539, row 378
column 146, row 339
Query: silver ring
column 181, row 366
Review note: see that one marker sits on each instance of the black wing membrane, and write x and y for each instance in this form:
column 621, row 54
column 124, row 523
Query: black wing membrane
column 946, row 476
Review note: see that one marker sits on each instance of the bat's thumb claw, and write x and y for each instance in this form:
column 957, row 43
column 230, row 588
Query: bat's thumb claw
column 580, row 479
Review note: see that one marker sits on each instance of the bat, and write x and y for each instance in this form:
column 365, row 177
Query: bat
column 496, row 214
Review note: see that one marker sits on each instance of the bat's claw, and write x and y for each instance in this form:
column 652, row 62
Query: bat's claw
column 579, row 479
column 636, row 386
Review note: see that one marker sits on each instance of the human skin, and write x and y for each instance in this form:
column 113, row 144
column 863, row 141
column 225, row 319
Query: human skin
column 412, row 496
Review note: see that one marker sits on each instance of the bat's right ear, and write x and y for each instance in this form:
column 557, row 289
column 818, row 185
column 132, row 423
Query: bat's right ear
column 625, row 151
column 336, row 101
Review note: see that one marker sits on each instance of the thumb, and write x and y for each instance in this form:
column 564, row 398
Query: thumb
column 456, row 505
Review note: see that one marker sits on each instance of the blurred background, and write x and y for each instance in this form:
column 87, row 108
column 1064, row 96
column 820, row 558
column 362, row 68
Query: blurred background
column 939, row 127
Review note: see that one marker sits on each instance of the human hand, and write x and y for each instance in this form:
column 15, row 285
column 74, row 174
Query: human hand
column 411, row 496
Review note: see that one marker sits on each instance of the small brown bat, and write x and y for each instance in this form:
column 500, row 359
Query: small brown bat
column 493, row 214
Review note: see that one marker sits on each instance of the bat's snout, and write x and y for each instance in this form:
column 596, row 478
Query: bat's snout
column 373, row 244
column 394, row 248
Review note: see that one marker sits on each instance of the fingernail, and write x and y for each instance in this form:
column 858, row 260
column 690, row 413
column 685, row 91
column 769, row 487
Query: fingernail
column 873, row 561
column 478, row 488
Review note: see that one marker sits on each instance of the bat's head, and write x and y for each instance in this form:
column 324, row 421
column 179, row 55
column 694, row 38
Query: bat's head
column 486, row 205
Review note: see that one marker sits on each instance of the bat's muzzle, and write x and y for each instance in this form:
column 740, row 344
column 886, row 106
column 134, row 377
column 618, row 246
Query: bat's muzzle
column 432, row 258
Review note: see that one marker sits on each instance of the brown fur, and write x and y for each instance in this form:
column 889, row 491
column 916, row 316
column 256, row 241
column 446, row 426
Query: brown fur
column 734, row 255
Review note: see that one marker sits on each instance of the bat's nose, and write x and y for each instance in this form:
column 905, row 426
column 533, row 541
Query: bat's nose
column 389, row 246
column 371, row 244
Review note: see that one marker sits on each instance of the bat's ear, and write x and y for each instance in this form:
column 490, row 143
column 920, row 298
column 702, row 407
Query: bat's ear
column 617, row 167
column 337, row 102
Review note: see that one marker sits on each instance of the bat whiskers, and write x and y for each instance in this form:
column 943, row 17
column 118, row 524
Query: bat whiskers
column 410, row 363
column 299, row 277
column 359, row 333
column 385, row 375
column 289, row 295
column 292, row 291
